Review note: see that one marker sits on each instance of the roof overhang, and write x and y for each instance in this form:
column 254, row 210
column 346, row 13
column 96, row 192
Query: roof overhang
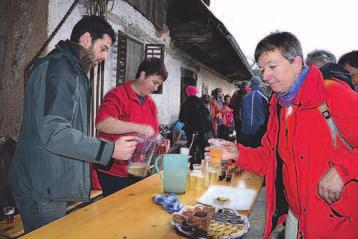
column 195, row 30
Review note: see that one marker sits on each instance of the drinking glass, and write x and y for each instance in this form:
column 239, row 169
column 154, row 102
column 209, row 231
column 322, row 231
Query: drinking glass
column 9, row 214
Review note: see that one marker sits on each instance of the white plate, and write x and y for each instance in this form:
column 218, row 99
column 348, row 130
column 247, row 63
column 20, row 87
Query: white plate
column 238, row 198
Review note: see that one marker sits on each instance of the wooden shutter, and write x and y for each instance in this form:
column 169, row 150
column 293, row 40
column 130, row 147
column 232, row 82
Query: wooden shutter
column 153, row 10
column 135, row 55
column 121, row 58
column 158, row 17
column 155, row 51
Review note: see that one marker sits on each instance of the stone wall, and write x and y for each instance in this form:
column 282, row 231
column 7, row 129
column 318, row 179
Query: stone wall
column 23, row 29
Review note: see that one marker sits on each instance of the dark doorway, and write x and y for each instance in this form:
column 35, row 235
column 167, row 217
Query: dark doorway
column 187, row 77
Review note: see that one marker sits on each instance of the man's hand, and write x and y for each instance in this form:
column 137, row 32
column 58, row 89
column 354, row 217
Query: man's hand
column 330, row 186
column 230, row 150
column 124, row 147
column 145, row 130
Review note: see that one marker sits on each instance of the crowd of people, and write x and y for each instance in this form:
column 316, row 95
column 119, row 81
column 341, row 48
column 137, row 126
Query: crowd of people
column 302, row 138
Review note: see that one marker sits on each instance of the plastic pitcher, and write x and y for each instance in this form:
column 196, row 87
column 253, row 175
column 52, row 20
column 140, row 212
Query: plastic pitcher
column 175, row 170
column 139, row 163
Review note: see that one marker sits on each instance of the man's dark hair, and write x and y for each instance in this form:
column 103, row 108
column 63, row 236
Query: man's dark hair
column 286, row 42
column 152, row 66
column 96, row 26
column 350, row 58
column 245, row 83
column 215, row 92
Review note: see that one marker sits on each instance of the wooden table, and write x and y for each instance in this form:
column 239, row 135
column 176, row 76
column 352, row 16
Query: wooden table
column 16, row 229
column 129, row 213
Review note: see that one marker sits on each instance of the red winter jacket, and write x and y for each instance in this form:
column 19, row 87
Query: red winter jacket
column 313, row 154
column 122, row 103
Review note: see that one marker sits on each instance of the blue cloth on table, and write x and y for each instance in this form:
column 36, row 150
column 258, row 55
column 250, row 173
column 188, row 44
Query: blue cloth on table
column 170, row 202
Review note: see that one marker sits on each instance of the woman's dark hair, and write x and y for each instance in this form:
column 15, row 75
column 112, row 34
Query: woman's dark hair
column 206, row 98
column 286, row 42
column 96, row 26
column 152, row 66
column 227, row 96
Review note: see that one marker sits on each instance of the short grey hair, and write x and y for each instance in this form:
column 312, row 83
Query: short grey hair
column 323, row 56
column 285, row 42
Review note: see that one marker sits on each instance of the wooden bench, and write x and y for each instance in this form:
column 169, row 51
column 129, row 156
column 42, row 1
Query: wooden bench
column 16, row 229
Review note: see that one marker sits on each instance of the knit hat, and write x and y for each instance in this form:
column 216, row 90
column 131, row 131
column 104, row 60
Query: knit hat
column 191, row 90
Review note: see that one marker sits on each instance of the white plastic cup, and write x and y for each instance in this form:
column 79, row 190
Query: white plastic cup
column 184, row 151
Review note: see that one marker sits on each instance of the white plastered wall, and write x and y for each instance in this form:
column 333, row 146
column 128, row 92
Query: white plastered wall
column 125, row 18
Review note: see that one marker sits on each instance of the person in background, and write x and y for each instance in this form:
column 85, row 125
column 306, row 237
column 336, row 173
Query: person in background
column 253, row 115
column 129, row 109
column 206, row 100
column 213, row 108
column 196, row 118
column 227, row 119
column 327, row 64
column 319, row 58
column 310, row 173
column 217, row 103
column 51, row 162
column 349, row 62
column 236, row 104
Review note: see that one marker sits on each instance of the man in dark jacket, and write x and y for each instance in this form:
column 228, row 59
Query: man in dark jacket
column 236, row 104
column 51, row 162
column 253, row 114
column 196, row 118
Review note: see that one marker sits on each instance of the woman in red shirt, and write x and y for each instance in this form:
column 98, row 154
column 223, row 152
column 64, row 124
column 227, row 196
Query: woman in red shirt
column 129, row 109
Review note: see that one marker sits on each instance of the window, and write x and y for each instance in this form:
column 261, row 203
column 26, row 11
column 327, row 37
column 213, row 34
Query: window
column 130, row 53
column 155, row 50
column 204, row 89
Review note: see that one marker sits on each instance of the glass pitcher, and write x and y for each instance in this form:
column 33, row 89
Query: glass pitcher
column 175, row 170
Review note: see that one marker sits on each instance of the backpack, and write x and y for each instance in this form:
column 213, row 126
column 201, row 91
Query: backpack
column 333, row 127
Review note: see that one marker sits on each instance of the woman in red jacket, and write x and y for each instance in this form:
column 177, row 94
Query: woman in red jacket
column 308, row 176
column 129, row 109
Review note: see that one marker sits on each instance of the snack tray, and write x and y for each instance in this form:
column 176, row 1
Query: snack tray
column 222, row 225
